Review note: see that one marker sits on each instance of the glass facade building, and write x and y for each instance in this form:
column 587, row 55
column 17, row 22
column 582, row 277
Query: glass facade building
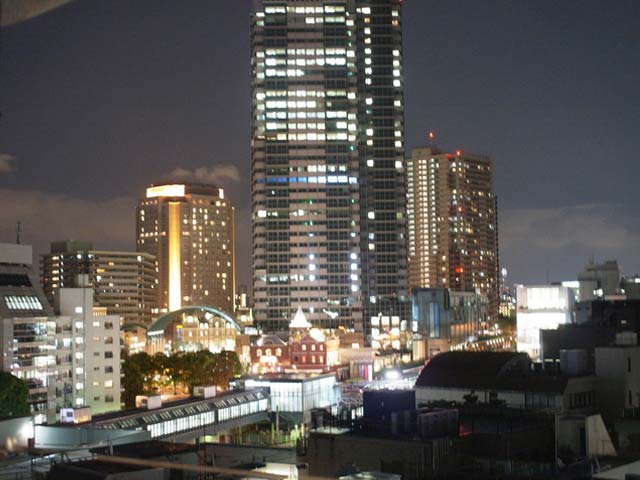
column 441, row 313
column 328, row 162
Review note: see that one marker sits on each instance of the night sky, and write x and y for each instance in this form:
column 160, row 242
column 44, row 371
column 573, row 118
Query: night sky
column 101, row 98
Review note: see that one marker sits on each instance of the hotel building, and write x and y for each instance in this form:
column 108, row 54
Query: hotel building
column 190, row 230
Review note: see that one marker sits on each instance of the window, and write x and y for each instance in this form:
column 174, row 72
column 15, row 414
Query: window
column 23, row 303
column 108, row 354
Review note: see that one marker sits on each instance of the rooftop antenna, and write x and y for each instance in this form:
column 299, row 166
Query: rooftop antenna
column 18, row 231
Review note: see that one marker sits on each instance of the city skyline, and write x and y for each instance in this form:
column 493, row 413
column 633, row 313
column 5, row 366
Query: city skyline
column 509, row 95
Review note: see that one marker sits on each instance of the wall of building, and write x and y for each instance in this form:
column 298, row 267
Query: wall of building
column 328, row 455
column 433, row 394
column 618, row 373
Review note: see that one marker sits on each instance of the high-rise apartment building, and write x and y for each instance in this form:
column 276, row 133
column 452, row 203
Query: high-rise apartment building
column 190, row 230
column 452, row 223
column 125, row 283
column 328, row 162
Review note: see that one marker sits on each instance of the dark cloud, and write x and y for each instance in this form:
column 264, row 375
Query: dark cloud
column 7, row 163
column 217, row 175
column 46, row 217
column 558, row 241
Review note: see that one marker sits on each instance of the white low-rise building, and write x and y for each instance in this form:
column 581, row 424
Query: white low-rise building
column 541, row 307
column 87, row 371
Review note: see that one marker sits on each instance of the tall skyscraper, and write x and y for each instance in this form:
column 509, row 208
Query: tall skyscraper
column 328, row 162
column 190, row 229
column 125, row 283
column 452, row 223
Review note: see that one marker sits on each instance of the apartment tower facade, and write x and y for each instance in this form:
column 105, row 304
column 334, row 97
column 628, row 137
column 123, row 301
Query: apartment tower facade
column 452, row 223
column 328, row 167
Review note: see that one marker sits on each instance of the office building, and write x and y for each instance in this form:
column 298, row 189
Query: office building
column 447, row 319
column 452, row 223
column 190, row 230
column 599, row 280
column 87, row 367
column 543, row 307
column 328, row 162
column 27, row 329
column 125, row 283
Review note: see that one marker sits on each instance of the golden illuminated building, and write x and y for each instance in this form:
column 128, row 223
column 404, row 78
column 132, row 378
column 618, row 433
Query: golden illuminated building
column 190, row 229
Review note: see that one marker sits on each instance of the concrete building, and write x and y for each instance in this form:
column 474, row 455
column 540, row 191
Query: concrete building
column 190, row 229
column 328, row 163
column 446, row 318
column 619, row 313
column 542, row 307
column 598, row 280
column 452, row 223
column 27, row 329
column 87, row 369
column 618, row 372
column 125, row 283
column 631, row 287
column 502, row 377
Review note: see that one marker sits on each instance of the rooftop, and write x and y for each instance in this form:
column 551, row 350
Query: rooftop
column 487, row 370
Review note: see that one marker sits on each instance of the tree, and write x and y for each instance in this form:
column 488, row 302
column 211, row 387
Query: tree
column 13, row 396
column 138, row 372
